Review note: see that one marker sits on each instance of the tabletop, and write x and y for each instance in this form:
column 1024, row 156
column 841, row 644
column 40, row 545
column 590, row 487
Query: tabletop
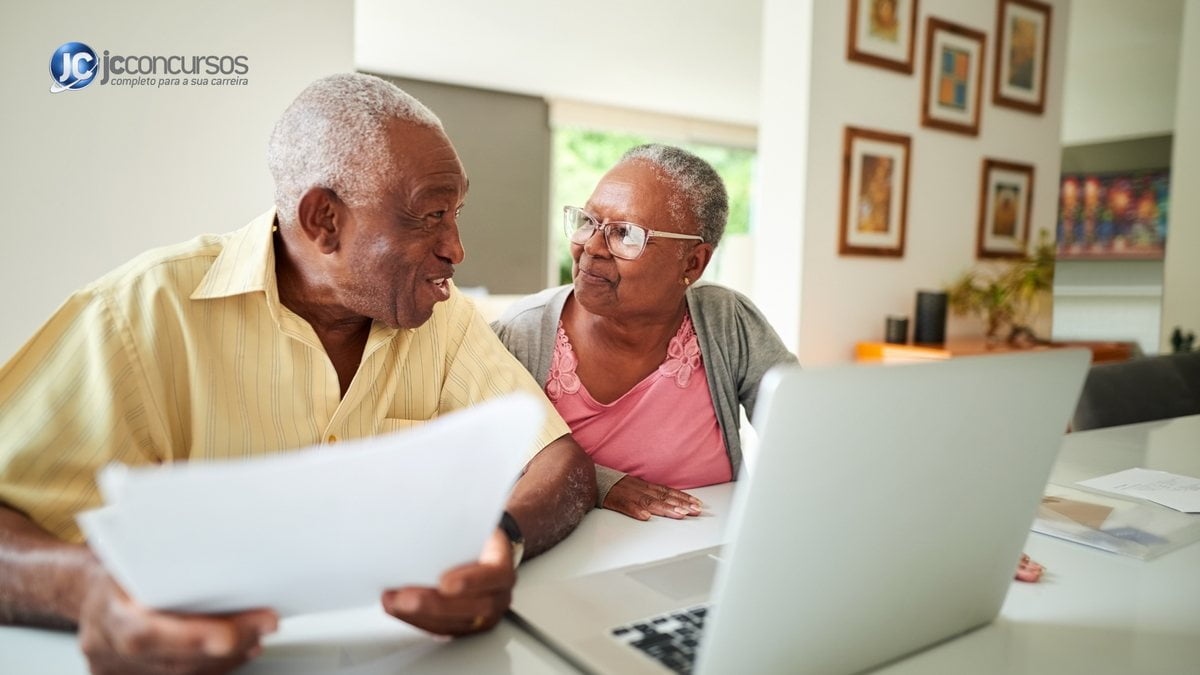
column 1093, row 611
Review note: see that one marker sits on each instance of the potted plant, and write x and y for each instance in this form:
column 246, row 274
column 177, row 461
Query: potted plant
column 1007, row 298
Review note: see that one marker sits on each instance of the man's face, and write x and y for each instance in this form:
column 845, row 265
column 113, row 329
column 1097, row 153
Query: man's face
column 398, row 254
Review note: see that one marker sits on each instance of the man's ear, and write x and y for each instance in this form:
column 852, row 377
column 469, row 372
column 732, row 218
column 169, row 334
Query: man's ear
column 697, row 260
column 320, row 217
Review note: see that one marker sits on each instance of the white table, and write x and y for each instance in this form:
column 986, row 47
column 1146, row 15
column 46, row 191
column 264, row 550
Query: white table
column 1094, row 612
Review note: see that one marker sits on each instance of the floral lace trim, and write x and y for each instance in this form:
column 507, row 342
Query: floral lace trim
column 683, row 359
column 563, row 379
column 683, row 354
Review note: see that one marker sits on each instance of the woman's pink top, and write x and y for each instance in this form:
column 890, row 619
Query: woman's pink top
column 663, row 430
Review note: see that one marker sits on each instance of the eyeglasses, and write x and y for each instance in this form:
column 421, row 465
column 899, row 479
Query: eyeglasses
column 625, row 240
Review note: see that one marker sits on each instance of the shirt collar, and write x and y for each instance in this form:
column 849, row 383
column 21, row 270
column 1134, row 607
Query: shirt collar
column 246, row 263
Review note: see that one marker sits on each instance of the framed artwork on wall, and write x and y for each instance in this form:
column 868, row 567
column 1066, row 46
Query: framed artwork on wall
column 1005, row 206
column 951, row 91
column 1022, row 54
column 874, row 207
column 883, row 33
column 1113, row 216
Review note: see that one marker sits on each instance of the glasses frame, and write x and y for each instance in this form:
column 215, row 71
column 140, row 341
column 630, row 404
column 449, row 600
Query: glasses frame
column 603, row 228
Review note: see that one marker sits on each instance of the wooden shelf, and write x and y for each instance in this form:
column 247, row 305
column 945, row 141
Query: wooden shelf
column 1102, row 352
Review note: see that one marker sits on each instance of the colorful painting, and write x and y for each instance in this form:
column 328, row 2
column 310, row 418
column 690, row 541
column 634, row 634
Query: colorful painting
column 1113, row 216
column 884, row 23
column 953, row 82
column 882, row 33
column 1005, row 203
column 1022, row 48
column 874, row 193
column 954, row 78
column 1005, row 207
column 1023, row 41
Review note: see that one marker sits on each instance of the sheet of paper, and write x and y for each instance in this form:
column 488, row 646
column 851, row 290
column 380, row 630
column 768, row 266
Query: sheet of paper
column 1181, row 493
column 317, row 529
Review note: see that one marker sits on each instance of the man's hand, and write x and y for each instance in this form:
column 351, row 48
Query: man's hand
column 120, row 636
column 639, row 499
column 468, row 599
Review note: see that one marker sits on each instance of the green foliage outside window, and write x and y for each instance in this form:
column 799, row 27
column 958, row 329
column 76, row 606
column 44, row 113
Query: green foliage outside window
column 582, row 156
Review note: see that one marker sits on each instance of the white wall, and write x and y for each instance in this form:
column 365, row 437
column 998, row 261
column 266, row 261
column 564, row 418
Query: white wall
column 843, row 300
column 1181, row 269
column 1109, row 300
column 1122, row 64
column 783, row 133
column 698, row 58
column 92, row 177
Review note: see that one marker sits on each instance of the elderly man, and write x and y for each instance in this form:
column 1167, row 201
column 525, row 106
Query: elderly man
column 330, row 317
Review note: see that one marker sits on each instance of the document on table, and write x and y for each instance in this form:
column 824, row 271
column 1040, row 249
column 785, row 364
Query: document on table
column 1116, row 523
column 316, row 529
column 1181, row 493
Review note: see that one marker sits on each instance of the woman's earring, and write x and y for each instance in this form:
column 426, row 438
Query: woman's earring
column 686, row 281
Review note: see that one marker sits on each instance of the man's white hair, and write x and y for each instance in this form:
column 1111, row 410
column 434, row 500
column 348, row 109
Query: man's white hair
column 334, row 135
column 698, row 186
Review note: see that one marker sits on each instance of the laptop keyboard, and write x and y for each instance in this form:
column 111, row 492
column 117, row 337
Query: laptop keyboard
column 672, row 639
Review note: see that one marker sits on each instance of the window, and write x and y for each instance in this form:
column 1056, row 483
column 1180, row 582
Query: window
column 581, row 156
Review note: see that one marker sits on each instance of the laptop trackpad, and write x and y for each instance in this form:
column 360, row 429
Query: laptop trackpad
column 680, row 579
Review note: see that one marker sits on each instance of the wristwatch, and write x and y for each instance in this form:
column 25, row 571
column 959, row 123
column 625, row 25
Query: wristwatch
column 513, row 532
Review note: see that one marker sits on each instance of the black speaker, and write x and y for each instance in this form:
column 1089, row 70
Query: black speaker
column 931, row 317
column 896, row 330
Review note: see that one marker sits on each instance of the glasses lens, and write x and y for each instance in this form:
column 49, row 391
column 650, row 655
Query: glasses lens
column 579, row 225
column 626, row 240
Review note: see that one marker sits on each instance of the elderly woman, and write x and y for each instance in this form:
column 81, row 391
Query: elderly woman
column 647, row 366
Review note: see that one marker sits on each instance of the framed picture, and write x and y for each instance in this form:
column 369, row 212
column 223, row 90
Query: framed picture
column 1022, row 48
column 1005, row 205
column 874, row 206
column 1113, row 216
column 951, row 93
column 883, row 33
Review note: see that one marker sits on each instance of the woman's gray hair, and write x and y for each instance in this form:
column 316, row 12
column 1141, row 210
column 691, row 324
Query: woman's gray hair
column 697, row 185
column 334, row 135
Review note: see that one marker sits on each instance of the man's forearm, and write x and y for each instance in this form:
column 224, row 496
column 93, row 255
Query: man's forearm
column 42, row 579
column 556, row 491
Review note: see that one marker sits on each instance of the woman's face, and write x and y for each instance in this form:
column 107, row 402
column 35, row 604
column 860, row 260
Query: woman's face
column 652, row 285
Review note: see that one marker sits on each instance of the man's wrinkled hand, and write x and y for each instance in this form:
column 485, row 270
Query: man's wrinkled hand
column 468, row 599
column 640, row 499
column 118, row 635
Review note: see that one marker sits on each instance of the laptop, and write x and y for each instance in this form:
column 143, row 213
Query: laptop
column 886, row 513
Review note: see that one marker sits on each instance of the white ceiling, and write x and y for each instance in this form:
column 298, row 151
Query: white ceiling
column 695, row 58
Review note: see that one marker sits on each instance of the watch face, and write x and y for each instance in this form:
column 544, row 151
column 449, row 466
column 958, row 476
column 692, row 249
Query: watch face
column 511, row 529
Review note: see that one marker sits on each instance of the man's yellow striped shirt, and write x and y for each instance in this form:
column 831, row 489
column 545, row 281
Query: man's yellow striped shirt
column 185, row 353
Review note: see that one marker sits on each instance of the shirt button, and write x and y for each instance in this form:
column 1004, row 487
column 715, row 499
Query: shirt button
column 332, row 438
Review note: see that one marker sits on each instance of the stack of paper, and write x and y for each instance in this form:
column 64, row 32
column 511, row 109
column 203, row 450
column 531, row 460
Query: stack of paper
column 317, row 529
column 1121, row 512
column 1172, row 490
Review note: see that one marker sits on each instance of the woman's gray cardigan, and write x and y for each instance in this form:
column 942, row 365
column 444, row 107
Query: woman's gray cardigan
column 736, row 342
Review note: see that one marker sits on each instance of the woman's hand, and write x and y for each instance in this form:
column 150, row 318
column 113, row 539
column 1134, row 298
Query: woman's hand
column 1028, row 570
column 639, row 499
